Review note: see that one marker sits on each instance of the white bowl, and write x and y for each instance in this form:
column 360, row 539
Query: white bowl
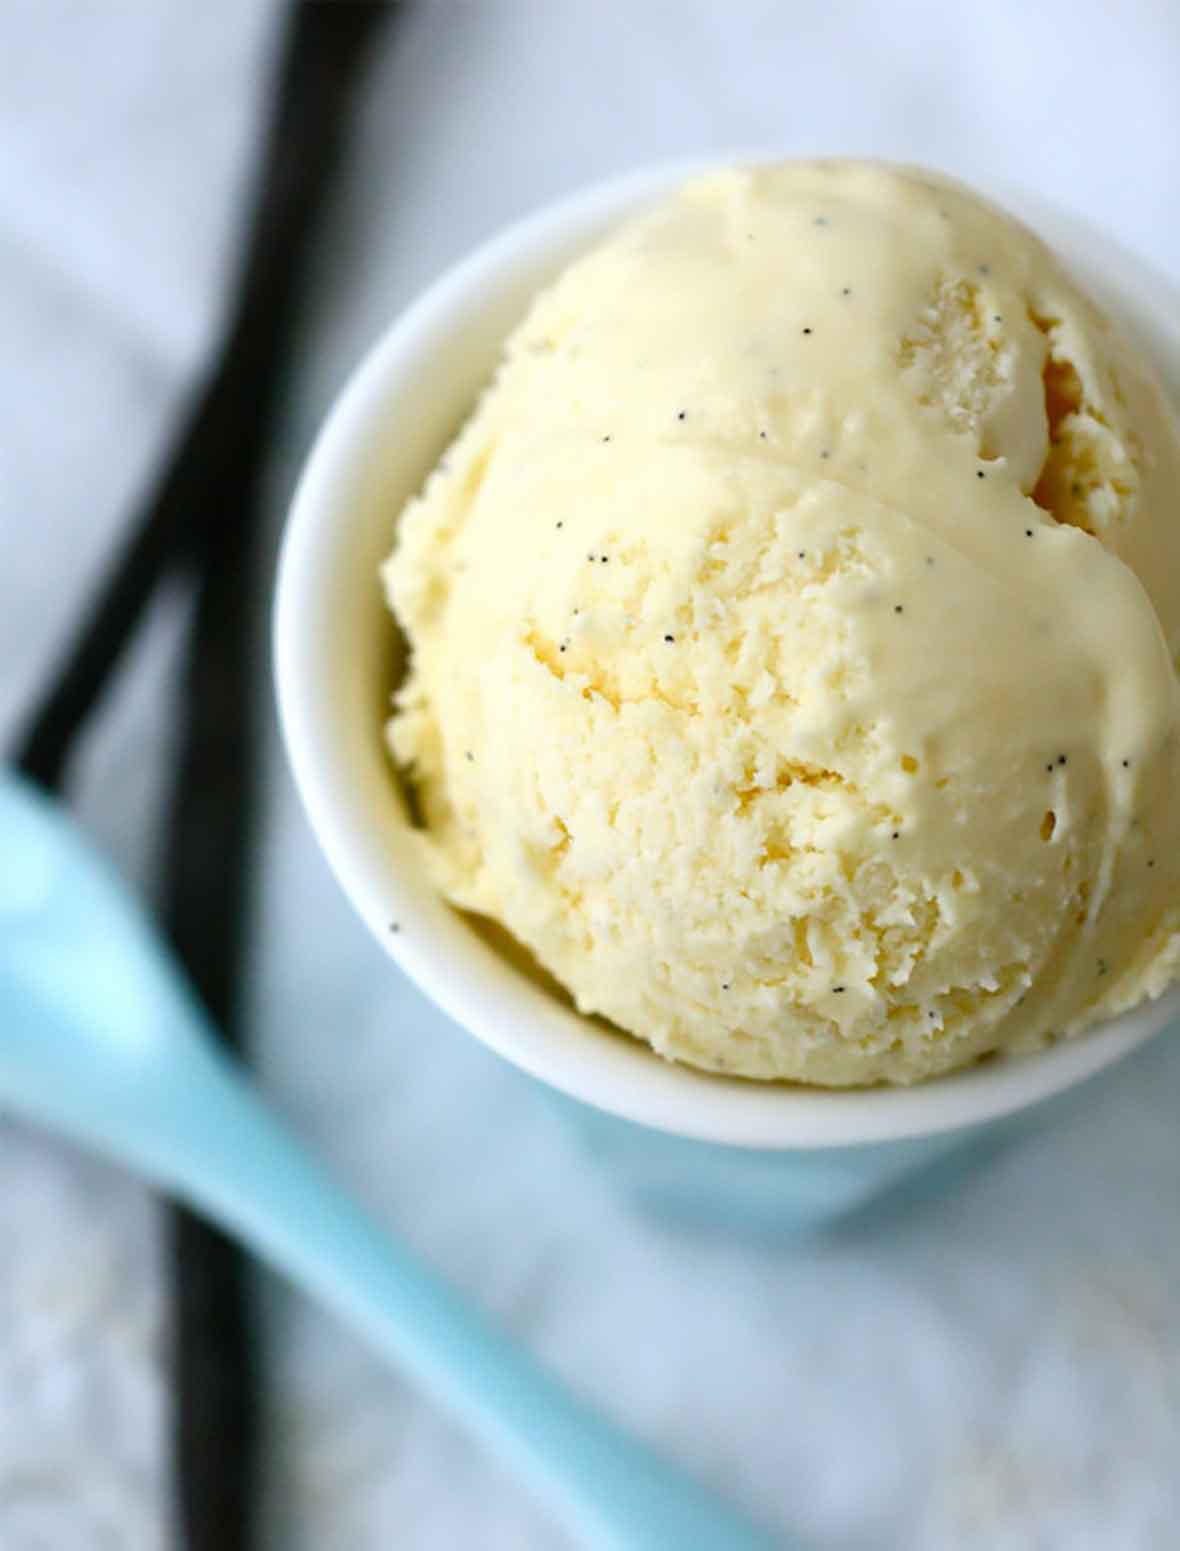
column 335, row 652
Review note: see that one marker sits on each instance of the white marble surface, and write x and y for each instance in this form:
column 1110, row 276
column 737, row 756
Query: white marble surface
column 998, row 1369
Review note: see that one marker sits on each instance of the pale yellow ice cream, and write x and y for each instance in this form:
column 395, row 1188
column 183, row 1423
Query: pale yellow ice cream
column 793, row 631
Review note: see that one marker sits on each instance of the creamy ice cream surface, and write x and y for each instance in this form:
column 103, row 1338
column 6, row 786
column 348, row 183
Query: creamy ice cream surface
column 793, row 633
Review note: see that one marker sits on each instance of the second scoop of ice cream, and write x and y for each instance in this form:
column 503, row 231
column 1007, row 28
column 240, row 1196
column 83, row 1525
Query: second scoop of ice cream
column 793, row 630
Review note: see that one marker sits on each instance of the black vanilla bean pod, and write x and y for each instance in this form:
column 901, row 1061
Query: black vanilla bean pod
column 210, row 822
column 325, row 41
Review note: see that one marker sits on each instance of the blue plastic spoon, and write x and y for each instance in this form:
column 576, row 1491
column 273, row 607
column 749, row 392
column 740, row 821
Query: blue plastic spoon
column 101, row 1039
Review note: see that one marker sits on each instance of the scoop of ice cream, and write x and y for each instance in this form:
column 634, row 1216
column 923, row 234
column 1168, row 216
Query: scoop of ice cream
column 793, row 630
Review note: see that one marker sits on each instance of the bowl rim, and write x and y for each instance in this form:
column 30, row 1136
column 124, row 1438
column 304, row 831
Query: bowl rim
column 439, row 952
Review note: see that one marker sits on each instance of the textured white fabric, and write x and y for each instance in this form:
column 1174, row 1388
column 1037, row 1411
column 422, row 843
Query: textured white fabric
column 997, row 1368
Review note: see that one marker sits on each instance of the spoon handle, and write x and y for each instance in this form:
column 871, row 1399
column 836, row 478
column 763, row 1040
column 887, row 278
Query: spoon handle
column 231, row 1157
column 101, row 1039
